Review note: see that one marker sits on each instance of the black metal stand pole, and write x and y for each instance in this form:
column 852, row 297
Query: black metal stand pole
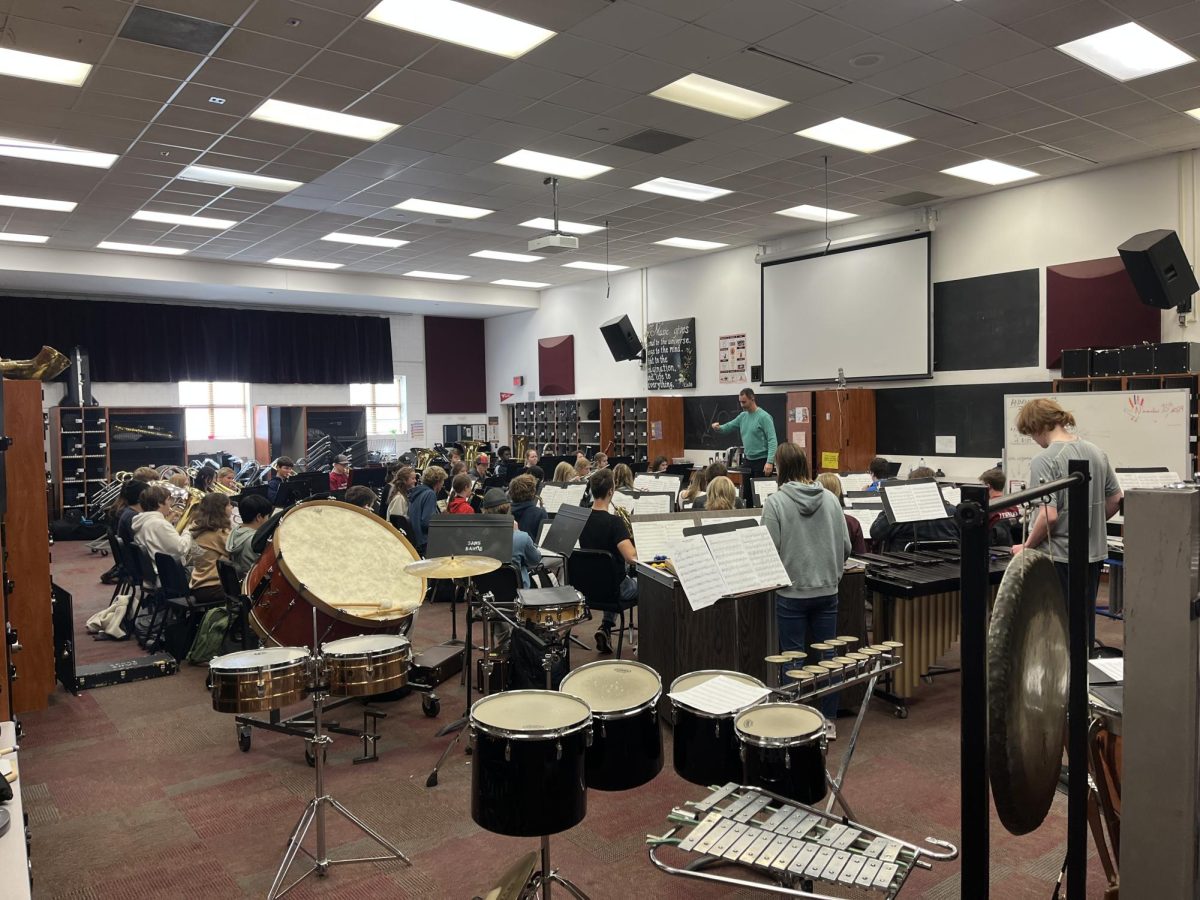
column 973, row 765
column 1079, row 609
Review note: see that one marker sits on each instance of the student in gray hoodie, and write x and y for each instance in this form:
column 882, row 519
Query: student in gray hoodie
column 809, row 530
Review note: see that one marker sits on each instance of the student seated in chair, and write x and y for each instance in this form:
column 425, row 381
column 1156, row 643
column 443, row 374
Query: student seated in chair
column 524, row 552
column 878, row 467
column 154, row 527
column 605, row 531
column 255, row 511
column 659, row 465
column 893, row 536
column 460, row 495
column 282, row 470
column 422, row 504
column 363, row 496
column 207, row 545
column 525, row 508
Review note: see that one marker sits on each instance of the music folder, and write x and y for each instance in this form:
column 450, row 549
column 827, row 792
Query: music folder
column 481, row 535
column 565, row 530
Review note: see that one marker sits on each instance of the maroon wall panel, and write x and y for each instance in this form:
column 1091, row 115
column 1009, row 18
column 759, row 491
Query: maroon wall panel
column 556, row 365
column 455, row 373
column 1094, row 304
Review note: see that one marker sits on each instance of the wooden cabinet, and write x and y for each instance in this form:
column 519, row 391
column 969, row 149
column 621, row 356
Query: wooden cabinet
column 844, row 424
column 642, row 427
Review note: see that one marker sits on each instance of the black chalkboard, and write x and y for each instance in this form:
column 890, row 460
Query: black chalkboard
column 989, row 322
column 908, row 419
column 700, row 412
column 671, row 355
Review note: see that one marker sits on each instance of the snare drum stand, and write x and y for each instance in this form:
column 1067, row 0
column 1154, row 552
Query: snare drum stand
column 315, row 811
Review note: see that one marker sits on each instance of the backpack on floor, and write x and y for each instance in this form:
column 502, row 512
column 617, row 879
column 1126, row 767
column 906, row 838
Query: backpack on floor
column 210, row 637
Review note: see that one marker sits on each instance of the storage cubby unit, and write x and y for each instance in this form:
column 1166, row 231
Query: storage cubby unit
column 556, row 427
column 642, row 427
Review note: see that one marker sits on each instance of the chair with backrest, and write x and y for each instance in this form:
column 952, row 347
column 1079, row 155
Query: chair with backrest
column 131, row 567
column 502, row 584
column 597, row 574
column 404, row 526
column 123, row 577
column 239, row 602
column 181, row 610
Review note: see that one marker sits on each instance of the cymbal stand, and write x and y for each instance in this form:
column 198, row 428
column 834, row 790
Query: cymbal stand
column 315, row 810
column 459, row 725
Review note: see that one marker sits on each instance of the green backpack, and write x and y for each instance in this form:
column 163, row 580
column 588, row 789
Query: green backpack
column 210, row 638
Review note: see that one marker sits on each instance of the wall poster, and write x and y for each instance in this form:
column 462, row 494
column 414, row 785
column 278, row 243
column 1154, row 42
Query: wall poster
column 671, row 355
column 732, row 359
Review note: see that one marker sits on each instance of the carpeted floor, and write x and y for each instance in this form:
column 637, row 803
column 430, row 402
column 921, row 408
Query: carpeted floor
column 140, row 791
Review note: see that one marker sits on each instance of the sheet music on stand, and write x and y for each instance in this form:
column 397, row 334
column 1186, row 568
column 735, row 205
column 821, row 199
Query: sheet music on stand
column 655, row 538
column 914, row 501
column 656, row 483
column 764, row 488
column 645, row 503
column 1145, row 478
column 867, row 499
column 625, row 500
column 742, row 561
column 952, row 494
column 866, row 516
column 725, row 520
column 855, row 481
column 554, row 495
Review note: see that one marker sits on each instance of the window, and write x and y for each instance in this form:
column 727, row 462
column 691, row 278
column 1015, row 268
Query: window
column 385, row 404
column 215, row 410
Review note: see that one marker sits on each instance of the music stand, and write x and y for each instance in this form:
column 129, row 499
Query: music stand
column 565, row 529
column 302, row 486
column 733, row 523
column 478, row 535
column 373, row 477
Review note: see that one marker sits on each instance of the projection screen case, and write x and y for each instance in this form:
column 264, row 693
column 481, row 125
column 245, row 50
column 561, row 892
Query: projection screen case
column 865, row 310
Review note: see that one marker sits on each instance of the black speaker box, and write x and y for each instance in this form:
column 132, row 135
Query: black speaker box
column 1137, row 360
column 622, row 339
column 1177, row 358
column 1106, row 362
column 1160, row 271
column 1076, row 363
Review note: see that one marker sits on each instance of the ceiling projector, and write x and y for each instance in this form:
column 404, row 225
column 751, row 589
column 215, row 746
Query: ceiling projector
column 554, row 242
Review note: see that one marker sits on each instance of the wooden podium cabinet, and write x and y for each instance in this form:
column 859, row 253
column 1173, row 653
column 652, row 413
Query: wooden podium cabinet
column 844, row 423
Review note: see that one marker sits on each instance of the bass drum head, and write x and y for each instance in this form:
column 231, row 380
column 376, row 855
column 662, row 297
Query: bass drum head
column 265, row 658
column 695, row 679
column 779, row 724
column 347, row 561
column 362, row 644
column 529, row 712
column 613, row 685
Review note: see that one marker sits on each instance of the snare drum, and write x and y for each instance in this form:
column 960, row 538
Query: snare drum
column 705, row 745
column 366, row 664
column 251, row 681
column 558, row 607
column 783, row 750
column 626, row 749
column 527, row 774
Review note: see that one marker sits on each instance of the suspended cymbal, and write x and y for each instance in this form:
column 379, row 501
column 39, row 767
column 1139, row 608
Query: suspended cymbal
column 513, row 882
column 453, row 566
column 1028, row 675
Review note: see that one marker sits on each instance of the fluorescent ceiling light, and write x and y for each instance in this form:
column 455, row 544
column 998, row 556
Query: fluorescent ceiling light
column 311, row 118
column 1126, row 52
column 234, row 178
column 458, row 23
column 443, row 209
column 508, row 257
column 19, row 149
column 989, row 171
column 548, row 164
column 141, row 248
column 718, row 97
column 145, row 215
column 440, row 276
column 853, row 135
column 597, row 267
column 303, row 263
column 43, row 68
column 340, row 238
column 672, row 187
column 509, row 282
column 565, row 227
column 36, row 203
column 815, row 213
column 691, row 244
column 24, row 238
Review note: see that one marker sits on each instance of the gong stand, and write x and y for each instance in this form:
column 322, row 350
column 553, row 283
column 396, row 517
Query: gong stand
column 975, row 800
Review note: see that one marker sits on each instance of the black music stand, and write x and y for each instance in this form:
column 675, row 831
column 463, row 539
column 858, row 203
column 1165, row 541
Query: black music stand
column 732, row 523
column 302, row 486
column 565, row 529
column 373, row 477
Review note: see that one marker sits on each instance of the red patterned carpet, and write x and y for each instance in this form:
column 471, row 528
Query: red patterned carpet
column 140, row 791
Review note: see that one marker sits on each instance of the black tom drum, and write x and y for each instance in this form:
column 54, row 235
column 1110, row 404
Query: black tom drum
column 527, row 772
column 705, row 744
column 783, row 750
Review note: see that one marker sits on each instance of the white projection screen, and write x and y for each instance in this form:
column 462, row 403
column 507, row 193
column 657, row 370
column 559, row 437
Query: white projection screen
column 865, row 310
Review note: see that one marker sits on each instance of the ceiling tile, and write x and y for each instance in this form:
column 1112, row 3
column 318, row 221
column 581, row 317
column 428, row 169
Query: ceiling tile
column 814, row 38
column 878, row 17
column 914, row 75
column 986, row 49
column 573, row 56
column 343, row 69
column 627, row 26
column 1029, row 68
column 460, row 63
column 1076, row 20
column 939, row 29
column 247, row 80
column 293, row 21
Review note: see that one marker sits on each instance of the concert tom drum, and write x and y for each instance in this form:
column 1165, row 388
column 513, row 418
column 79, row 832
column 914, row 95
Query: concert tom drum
column 558, row 607
column 626, row 750
column 705, row 745
column 343, row 561
column 528, row 762
column 366, row 664
column 783, row 750
column 250, row 681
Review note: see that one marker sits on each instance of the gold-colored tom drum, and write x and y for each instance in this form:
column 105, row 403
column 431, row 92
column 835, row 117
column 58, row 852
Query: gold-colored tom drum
column 250, row 681
column 560, row 613
column 367, row 664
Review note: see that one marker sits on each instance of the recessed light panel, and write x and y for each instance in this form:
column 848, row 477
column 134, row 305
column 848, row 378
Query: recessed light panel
column 673, row 187
column 596, row 267
column 311, row 118
column 145, row 215
column 507, row 257
column 303, row 263
column 510, row 282
column 564, row 227
column 234, row 178
column 1126, row 52
column 19, row 149
column 548, row 164
column 340, row 238
column 815, row 213
column 459, row 23
column 854, row 135
column 24, row 238
column 43, row 68
column 691, row 244
column 444, row 209
column 141, row 248
column 437, row 276
column 718, row 97
column 988, row 171
column 36, row 203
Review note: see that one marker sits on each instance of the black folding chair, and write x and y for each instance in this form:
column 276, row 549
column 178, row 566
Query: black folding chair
column 181, row 611
column 239, row 603
column 597, row 575
column 123, row 577
column 404, row 526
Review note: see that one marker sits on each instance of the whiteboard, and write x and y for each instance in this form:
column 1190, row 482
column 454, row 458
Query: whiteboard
column 1137, row 429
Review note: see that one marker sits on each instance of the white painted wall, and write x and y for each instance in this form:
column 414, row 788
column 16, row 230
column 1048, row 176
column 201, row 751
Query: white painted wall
column 1059, row 221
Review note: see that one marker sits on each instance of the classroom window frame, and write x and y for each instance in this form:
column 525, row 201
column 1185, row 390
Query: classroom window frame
column 211, row 406
column 367, row 395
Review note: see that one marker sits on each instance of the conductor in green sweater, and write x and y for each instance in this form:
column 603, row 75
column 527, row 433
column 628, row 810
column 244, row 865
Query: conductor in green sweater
column 757, row 430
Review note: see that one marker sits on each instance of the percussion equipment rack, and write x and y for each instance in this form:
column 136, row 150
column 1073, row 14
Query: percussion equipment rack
column 789, row 843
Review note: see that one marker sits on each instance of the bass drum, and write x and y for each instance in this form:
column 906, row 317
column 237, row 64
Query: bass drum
column 340, row 560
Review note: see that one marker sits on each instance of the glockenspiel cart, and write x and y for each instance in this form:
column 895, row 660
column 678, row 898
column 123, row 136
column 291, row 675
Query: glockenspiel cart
column 790, row 845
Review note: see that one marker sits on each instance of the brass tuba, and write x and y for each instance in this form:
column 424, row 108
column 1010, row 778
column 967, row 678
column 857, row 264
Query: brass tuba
column 49, row 363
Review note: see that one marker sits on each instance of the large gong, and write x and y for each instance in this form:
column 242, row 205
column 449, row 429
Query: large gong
column 1028, row 675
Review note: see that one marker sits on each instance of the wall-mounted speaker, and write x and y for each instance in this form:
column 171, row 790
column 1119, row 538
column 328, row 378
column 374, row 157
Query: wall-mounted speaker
column 756, row 374
column 622, row 340
column 1159, row 269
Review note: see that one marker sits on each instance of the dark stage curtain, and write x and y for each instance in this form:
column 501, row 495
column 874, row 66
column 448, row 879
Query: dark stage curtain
column 170, row 342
